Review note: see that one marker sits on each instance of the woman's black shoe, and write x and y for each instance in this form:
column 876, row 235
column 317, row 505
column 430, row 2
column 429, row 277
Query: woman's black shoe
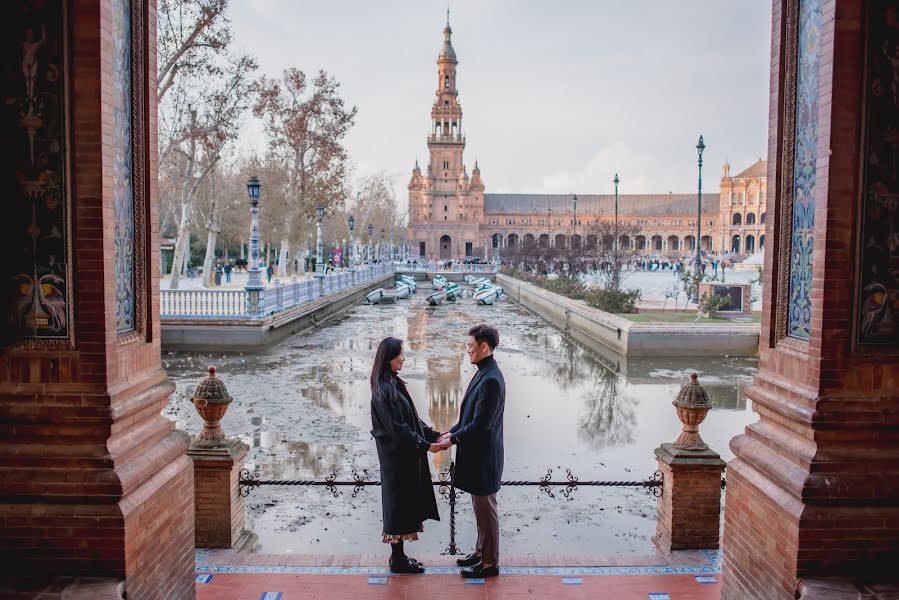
column 479, row 572
column 405, row 566
column 415, row 561
column 470, row 560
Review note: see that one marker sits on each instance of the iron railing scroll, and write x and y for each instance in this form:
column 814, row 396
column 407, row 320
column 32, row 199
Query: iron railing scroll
column 447, row 487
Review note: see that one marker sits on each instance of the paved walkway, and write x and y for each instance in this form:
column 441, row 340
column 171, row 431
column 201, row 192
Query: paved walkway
column 234, row 575
column 447, row 587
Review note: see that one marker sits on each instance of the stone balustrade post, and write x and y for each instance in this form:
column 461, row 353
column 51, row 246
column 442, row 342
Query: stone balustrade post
column 321, row 284
column 219, row 511
column 688, row 513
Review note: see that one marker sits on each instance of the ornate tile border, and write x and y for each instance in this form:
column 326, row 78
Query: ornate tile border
column 714, row 567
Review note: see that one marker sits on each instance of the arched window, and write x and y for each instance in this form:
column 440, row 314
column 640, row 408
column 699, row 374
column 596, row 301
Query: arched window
column 762, row 218
column 738, row 219
column 446, row 82
column 750, row 220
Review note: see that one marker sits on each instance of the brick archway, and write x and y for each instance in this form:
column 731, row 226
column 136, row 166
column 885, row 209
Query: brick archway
column 446, row 247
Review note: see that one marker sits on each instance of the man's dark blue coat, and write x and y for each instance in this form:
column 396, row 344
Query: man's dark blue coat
column 479, row 433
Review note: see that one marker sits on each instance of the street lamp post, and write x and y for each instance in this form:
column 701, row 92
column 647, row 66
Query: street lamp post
column 381, row 252
column 319, row 243
column 616, row 266
column 352, row 258
column 574, row 230
column 549, row 225
column 697, row 264
column 254, row 284
column 371, row 230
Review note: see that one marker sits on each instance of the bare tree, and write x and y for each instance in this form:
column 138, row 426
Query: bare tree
column 204, row 90
column 607, row 258
column 306, row 126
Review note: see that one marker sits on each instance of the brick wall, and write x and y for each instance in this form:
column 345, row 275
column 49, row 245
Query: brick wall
column 813, row 488
column 96, row 482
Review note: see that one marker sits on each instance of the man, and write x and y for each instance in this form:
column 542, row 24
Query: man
column 479, row 456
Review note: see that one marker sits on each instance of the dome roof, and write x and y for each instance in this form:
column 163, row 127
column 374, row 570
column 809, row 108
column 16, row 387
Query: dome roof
column 447, row 50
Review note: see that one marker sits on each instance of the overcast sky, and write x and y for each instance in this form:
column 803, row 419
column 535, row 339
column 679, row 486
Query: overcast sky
column 556, row 96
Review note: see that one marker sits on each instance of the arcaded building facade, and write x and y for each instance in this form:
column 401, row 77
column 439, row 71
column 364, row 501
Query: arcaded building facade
column 451, row 216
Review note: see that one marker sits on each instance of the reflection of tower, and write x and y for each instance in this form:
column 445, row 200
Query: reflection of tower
column 444, row 390
column 416, row 328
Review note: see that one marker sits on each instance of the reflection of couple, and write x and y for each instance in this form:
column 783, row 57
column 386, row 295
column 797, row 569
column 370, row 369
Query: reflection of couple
column 403, row 441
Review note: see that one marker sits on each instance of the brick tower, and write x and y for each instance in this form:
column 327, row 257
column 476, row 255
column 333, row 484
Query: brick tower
column 445, row 205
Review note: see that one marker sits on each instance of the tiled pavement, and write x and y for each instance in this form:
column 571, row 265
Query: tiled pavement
column 232, row 575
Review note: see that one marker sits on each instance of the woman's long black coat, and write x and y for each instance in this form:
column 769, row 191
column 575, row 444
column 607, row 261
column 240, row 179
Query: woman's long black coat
column 407, row 495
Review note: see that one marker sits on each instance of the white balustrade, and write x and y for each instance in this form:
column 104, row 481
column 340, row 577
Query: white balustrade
column 232, row 304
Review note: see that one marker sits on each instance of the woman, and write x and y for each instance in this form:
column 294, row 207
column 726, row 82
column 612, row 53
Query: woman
column 403, row 441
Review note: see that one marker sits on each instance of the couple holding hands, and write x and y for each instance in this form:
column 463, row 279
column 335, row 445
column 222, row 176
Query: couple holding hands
column 404, row 440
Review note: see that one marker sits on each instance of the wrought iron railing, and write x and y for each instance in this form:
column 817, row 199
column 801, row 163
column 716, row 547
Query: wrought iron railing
column 234, row 304
column 447, row 488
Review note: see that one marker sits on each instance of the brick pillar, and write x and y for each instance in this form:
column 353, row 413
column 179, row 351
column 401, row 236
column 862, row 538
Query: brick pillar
column 96, row 483
column 813, row 489
column 688, row 513
column 219, row 513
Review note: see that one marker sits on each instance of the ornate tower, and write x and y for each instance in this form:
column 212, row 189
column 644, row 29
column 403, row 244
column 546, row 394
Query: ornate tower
column 443, row 213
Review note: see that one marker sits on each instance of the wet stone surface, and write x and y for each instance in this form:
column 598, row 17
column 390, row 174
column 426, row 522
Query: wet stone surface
column 303, row 407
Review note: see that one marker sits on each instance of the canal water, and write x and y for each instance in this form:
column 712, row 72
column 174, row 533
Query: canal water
column 303, row 407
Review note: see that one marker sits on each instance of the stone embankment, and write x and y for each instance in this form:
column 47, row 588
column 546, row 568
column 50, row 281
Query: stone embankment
column 592, row 326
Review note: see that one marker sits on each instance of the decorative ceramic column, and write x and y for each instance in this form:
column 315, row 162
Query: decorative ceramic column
column 813, row 490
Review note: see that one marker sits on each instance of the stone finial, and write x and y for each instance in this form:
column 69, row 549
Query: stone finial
column 692, row 404
column 211, row 399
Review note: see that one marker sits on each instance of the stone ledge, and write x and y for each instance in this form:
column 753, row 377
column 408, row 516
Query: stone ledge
column 66, row 588
column 627, row 338
column 841, row 589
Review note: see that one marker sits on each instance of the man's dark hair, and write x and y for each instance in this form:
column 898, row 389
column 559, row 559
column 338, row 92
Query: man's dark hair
column 485, row 333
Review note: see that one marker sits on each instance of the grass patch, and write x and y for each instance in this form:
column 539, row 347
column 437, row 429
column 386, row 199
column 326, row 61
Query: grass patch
column 679, row 317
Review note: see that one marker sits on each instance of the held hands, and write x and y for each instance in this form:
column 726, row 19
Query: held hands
column 443, row 442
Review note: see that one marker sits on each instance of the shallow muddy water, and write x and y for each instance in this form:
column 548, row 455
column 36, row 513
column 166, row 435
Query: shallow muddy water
column 303, row 407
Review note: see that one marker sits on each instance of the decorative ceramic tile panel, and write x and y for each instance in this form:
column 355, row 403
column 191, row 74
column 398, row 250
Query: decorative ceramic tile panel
column 878, row 294
column 804, row 169
column 33, row 138
column 123, row 189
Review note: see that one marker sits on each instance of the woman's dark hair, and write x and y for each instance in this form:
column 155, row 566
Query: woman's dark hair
column 485, row 333
column 388, row 349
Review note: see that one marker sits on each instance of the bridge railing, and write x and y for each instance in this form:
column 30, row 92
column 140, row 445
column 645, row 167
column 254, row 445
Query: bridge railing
column 235, row 304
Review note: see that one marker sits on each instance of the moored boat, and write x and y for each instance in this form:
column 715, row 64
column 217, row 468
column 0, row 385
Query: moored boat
column 453, row 291
column 436, row 298
column 374, row 296
column 408, row 283
column 488, row 295
column 403, row 291
column 439, row 282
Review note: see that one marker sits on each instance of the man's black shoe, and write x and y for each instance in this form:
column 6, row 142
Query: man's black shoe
column 470, row 560
column 479, row 572
column 405, row 567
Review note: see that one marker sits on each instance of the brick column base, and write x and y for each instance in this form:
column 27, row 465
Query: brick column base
column 220, row 514
column 688, row 513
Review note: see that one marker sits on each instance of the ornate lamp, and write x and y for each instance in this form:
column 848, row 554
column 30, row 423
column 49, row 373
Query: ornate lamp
column 211, row 399
column 351, row 259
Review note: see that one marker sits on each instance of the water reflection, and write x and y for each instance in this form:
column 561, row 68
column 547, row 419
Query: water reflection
column 303, row 407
